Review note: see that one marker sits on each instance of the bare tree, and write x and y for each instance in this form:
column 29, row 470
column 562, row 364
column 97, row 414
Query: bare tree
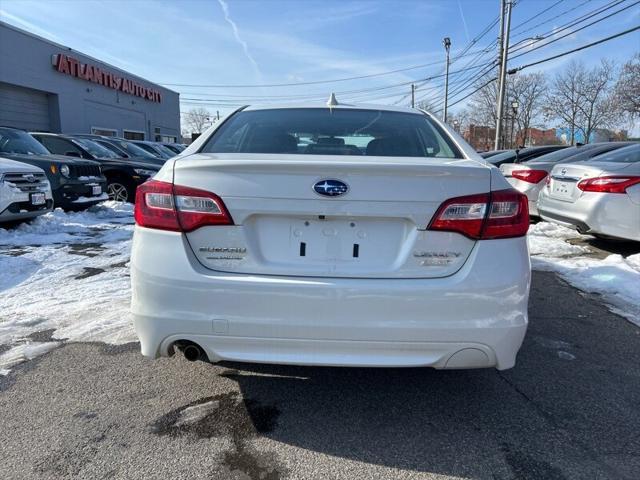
column 627, row 88
column 196, row 119
column 459, row 120
column 564, row 100
column 598, row 106
column 528, row 91
column 427, row 106
column 482, row 107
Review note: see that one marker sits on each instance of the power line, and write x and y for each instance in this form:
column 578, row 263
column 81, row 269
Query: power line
column 592, row 44
column 575, row 31
column 572, row 9
column 537, row 15
column 572, row 23
column 318, row 82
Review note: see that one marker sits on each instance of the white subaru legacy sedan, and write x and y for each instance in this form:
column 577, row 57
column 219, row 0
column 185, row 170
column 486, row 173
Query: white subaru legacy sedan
column 342, row 235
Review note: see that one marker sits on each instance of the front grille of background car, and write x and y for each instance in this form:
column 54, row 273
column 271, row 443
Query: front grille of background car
column 86, row 171
column 26, row 182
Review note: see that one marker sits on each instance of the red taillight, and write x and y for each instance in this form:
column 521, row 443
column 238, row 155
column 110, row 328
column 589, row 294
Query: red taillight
column 164, row 206
column 530, row 176
column 612, row 184
column 501, row 214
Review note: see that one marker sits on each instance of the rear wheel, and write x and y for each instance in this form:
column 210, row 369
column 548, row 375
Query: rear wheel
column 120, row 190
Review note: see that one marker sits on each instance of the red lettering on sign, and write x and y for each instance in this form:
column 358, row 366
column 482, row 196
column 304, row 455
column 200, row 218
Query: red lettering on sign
column 62, row 65
column 91, row 73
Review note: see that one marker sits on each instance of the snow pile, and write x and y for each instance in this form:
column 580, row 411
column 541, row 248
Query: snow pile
column 67, row 272
column 61, row 227
column 616, row 278
column 549, row 239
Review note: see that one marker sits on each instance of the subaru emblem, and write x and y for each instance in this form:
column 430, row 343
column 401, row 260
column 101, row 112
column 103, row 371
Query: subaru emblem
column 330, row 188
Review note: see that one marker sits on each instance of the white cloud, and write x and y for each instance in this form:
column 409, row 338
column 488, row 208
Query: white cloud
column 236, row 34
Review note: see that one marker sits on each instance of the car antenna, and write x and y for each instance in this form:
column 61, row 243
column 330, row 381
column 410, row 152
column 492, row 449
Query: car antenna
column 332, row 102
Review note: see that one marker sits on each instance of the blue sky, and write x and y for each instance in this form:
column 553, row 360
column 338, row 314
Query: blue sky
column 266, row 42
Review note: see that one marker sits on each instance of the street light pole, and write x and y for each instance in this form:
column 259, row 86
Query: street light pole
column 503, row 73
column 514, row 108
column 447, row 45
column 413, row 95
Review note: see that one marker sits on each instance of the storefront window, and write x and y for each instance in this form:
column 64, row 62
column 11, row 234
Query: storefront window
column 133, row 135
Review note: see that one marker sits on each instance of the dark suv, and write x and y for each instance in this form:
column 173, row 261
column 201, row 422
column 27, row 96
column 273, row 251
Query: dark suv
column 75, row 183
column 123, row 175
column 123, row 148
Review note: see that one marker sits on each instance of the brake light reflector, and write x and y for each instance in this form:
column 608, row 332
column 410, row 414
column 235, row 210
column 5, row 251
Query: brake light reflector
column 462, row 214
column 508, row 216
column 164, row 206
column 530, row 176
column 501, row 214
column 613, row 184
column 197, row 208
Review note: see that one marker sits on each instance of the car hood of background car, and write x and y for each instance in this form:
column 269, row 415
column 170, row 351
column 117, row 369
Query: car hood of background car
column 158, row 162
column 7, row 165
column 47, row 160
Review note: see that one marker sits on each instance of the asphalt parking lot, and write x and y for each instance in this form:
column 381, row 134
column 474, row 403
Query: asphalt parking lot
column 568, row 410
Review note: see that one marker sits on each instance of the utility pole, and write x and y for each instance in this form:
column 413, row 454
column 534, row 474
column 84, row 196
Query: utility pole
column 506, row 16
column 413, row 95
column 447, row 45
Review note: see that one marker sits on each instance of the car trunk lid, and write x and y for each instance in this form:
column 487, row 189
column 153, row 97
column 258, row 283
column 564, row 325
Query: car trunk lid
column 564, row 179
column 376, row 230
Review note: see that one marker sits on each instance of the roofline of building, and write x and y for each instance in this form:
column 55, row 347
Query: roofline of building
column 69, row 49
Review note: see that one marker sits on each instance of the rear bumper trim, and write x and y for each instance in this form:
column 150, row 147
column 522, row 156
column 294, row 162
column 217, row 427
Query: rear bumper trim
column 577, row 224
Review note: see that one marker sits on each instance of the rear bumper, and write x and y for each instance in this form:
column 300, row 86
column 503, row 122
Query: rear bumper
column 613, row 215
column 474, row 318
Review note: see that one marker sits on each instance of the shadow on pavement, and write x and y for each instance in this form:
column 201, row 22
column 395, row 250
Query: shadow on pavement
column 568, row 410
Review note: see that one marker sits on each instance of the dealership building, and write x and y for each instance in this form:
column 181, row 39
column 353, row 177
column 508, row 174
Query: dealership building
column 47, row 87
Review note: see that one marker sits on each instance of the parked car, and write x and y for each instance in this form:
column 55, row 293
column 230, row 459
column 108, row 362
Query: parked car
column 600, row 197
column 156, row 149
column 123, row 175
column 520, row 155
column 490, row 153
column 529, row 177
column 177, row 148
column 123, row 148
column 75, row 183
column 383, row 240
column 25, row 191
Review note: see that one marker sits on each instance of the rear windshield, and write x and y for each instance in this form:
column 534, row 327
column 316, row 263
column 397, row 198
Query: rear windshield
column 134, row 150
column 629, row 154
column 324, row 131
column 560, row 155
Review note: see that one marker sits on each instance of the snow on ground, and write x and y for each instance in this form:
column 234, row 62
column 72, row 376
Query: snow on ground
column 67, row 272
column 65, row 276
column 616, row 278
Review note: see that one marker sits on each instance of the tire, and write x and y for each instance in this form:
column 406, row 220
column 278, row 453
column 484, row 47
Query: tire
column 120, row 190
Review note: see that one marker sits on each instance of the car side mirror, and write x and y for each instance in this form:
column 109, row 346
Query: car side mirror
column 72, row 154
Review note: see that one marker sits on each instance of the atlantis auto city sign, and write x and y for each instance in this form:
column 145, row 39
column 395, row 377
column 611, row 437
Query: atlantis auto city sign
column 91, row 73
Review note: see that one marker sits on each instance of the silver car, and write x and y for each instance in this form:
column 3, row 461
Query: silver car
column 529, row 177
column 600, row 197
column 25, row 191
